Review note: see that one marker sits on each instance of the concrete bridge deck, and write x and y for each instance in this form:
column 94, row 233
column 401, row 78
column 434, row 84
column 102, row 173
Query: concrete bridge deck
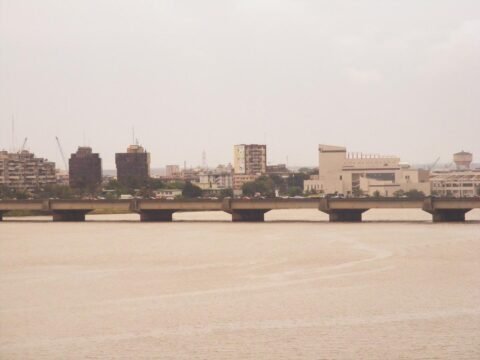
column 351, row 209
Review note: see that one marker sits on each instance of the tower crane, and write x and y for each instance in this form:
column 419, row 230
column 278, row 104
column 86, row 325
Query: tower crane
column 24, row 144
column 431, row 167
column 61, row 153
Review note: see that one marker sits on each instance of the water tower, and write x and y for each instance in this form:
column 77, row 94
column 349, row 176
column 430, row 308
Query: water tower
column 462, row 160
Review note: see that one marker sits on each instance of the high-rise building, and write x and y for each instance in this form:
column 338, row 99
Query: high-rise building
column 133, row 167
column 85, row 169
column 23, row 171
column 250, row 159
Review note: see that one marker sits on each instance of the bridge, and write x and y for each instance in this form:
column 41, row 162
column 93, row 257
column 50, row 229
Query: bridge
column 339, row 210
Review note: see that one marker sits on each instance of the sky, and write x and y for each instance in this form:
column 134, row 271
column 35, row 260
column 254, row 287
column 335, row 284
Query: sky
column 395, row 77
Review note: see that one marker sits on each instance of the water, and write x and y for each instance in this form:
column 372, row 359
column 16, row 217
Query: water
column 293, row 287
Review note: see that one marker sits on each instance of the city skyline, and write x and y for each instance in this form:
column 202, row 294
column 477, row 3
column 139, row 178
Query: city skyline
column 380, row 78
column 109, row 165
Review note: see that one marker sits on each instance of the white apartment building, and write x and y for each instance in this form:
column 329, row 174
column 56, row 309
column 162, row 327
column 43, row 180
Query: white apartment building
column 23, row 171
column 461, row 182
column 214, row 180
column 343, row 173
column 456, row 183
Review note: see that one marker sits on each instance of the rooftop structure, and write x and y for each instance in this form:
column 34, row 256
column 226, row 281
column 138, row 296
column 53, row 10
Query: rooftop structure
column 462, row 160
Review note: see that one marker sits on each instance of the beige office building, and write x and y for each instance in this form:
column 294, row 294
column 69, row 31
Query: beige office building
column 354, row 173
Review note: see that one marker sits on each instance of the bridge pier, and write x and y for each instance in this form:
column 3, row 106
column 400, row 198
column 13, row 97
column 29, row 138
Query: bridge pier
column 248, row 215
column 69, row 215
column 156, row 215
column 449, row 215
column 346, row 215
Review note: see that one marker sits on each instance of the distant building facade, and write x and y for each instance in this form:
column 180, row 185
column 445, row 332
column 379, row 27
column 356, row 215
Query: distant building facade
column 85, row 169
column 172, row 171
column 249, row 162
column 133, row 167
column 23, row 171
column 250, row 159
column 462, row 182
column 239, row 180
column 213, row 180
column 279, row 169
column 351, row 174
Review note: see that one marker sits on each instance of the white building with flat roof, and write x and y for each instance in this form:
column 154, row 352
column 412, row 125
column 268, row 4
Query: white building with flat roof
column 462, row 182
column 357, row 173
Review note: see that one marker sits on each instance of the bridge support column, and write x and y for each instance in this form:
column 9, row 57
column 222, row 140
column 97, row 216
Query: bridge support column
column 69, row 215
column 156, row 215
column 249, row 215
column 449, row 215
column 346, row 215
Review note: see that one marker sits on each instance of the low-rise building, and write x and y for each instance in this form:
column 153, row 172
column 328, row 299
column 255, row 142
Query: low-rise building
column 239, row 180
column 172, row 171
column 279, row 169
column 456, row 183
column 461, row 182
column 167, row 193
column 212, row 180
column 353, row 174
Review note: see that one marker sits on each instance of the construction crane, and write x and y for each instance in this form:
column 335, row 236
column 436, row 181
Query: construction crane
column 61, row 153
column 23, row 145
column 431, row 167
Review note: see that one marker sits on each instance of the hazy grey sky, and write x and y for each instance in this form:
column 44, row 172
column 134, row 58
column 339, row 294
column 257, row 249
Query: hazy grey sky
column 383, row 76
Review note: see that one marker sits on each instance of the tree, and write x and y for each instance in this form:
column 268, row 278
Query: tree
column 57, row 192
column 191, row 191
column 357, row 192
column 295, row 191
column 6, row 193
column 377, row 194
column 414, row 194
column 115, row 189
column 297, row 179
column 399, row 193
column 264, row 186
column 226, row 193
